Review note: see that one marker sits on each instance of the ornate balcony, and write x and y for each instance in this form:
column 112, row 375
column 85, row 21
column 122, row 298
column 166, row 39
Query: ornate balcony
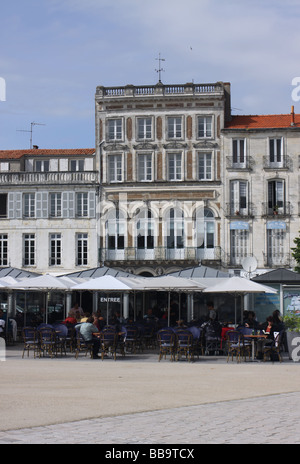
column 49, row 178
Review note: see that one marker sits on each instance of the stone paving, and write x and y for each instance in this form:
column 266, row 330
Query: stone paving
column 247, row 403
column 272, row 419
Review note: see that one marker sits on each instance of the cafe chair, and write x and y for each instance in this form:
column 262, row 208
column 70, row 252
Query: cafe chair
column 48, row 342
column 184, row 345
column 61, row 338
column 166, row 343
column 31, row 341
column 132, row 338
column 235, row 345
column 108, row 343
column 81, row 345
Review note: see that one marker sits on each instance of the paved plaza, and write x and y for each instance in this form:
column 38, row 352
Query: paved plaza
column 140, row 401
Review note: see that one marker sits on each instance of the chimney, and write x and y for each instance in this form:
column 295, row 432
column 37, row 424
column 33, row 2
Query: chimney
column 35, row 147
column 292, row 117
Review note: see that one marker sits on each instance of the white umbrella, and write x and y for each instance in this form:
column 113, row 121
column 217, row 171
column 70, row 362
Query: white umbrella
column 43, row 282
column 106, row 283
column 238, row 286
column 166, row 283
column 103, row 283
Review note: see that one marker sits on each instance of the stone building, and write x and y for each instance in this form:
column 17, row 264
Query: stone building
column 158, row 151
column 174, row 180
column 48, row 209
column 261, row 189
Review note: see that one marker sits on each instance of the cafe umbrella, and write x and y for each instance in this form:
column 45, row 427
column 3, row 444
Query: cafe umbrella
column 238, row 286
column 106, row 284
column 43, row 283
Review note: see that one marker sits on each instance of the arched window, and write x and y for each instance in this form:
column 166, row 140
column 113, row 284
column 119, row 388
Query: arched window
column 205, row 227
column 115, row 234
column 175, row 233
column 145, row 234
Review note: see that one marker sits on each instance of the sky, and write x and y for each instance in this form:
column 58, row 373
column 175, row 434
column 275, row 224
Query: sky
column 54, row 53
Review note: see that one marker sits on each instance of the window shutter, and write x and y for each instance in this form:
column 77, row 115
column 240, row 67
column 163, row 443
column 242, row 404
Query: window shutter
column 92, row 205
column 68, row 204
column 41, row 205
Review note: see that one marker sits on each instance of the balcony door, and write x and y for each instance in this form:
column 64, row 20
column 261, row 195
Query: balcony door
column 145, row 235
column 175, row 234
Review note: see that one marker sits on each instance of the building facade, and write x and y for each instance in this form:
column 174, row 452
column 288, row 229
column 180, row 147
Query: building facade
column 261, row 189
column 174, row 180
column 48, row 209
column 159, row 156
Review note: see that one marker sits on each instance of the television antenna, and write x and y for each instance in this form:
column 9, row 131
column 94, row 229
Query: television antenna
column 31, row 128
column 160, row 69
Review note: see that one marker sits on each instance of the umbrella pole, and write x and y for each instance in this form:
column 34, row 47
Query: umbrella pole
column 169, row 309
column 107, row 308
column 235, row 319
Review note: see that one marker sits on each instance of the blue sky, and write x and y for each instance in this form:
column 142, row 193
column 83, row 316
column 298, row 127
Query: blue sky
column 54, row 53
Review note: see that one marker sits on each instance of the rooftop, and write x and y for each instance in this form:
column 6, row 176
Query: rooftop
column 271, row 121
column 17, row 154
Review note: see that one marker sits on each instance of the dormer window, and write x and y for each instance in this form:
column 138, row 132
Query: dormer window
column 41, row 165
column 77, row 165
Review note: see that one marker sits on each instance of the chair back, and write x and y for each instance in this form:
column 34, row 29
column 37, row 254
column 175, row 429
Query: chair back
column 234, row 336
column 29, row 334
column 245, row 330
column 184, row 337
column 47, row 334
column 61, row 330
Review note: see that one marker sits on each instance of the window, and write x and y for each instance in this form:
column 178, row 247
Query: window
column 204, row 166
column 115, row 235
column 76, row 165
column 29, row 249
column 114, row 129
column 3, row 205
column 55, row 249
column 144, row 128
column 115, row 171
column 238, row 197
column 175, row 229
column 55, row 204
column 275, row 152
column 3, row 249
column 238, row 152
column 174, row 128
column 29, row 205
column 205, row 126
column 82, row 209
column 275, row 246
column 116, row 231
column 145, row 167
column 174, row 166
column 82, row 249
column 41, row 165
column 145, row 230
column 238, row 246
column 276, row 197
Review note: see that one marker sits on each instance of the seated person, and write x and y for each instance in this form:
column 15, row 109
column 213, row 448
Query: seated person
column 251, row 321
column 89, row 333
column 70, row 319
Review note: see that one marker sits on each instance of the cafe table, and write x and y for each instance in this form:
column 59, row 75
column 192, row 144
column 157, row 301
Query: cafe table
column 253, row 339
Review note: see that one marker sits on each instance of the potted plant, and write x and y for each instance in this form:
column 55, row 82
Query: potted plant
column 275, row 210
column 292, row 326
